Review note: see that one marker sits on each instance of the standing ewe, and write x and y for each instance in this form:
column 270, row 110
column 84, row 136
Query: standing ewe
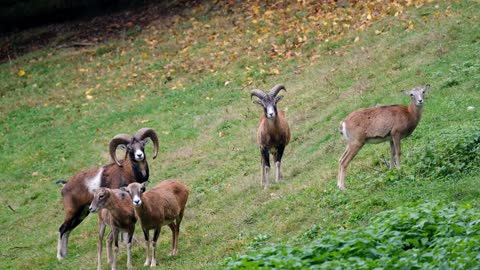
column 379, row 124
column 116, row 211
column 162, row 205
column 273, row 132
column 77, row 193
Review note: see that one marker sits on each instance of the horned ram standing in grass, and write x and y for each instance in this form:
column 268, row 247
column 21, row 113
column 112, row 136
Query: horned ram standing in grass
column 78, row 192
column 114, row 209
column 162, row 205
column 379, row 124
column 273, row 132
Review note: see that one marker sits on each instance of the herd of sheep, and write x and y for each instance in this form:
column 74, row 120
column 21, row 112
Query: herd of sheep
column 117, row 191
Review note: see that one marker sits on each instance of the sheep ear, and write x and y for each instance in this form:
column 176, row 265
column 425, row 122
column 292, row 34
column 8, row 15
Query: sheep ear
column 278, row 98
column 144, row 184
column 408, row 93
column 258, row 102
column 426, row 87
column 146, row 140
column 125, row 189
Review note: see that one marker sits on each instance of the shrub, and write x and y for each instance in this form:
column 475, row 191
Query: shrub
column 425, row 236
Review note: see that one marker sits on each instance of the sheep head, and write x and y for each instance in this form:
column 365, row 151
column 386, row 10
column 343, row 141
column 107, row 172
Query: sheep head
column 268, row 101
column 417, row 94
column 134, row 145
column 135, row 190
column 99, row 199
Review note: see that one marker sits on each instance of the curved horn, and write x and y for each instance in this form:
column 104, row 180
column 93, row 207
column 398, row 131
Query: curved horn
column 115, row 142
column 276, row 89
column 257, row 93
column 148, row 132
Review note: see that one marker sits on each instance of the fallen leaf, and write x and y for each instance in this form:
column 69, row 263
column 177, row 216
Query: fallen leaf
column 411, row 25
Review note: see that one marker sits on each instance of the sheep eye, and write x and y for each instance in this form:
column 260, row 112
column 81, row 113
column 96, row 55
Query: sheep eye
column 411, row 95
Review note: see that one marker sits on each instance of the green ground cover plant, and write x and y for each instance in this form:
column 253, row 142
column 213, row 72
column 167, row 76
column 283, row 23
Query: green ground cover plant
column 430, row 235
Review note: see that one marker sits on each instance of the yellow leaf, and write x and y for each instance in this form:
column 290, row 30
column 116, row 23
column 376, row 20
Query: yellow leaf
column 256, row 9
column 88, row 91
column 411, row 25
column 144, row 121
column 21, row 72
column 274, row 71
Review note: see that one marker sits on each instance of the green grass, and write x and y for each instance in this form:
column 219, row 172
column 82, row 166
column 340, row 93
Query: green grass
column 197, row 99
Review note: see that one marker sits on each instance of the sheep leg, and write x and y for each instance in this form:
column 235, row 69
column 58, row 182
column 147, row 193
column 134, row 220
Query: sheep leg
column 396, row 144
column 392, row 154
column 347, row 156
column 278, row 161
column 147, row 249
column 156, row 233
column 173, row 227
column 109, row 247
column 177, row 228
column 265, row 167
column 129, row 247
column 115, row 250
column 73, row 217
column 101, row 232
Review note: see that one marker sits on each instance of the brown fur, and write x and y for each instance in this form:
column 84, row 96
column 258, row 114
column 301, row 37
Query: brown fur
column 116, row 211
column 162, row 205
column 76, row 197
column 270, row 134
column 273, row 136
column 380, row 124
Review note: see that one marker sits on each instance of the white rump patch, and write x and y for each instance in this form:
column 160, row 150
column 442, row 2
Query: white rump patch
column 344, row 130
column 94, row 183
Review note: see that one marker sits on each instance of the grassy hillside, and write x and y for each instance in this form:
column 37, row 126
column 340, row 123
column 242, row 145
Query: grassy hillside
column 188, row 76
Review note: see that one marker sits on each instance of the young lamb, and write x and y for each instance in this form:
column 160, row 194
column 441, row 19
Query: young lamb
column 115, row 210
column 77, row 193
column 162, row 205
column 273, row 131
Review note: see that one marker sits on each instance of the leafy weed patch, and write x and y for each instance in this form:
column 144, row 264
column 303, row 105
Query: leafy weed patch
column 425, row 236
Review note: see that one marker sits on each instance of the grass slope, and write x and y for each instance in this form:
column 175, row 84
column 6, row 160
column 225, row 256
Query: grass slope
column 188, row 76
